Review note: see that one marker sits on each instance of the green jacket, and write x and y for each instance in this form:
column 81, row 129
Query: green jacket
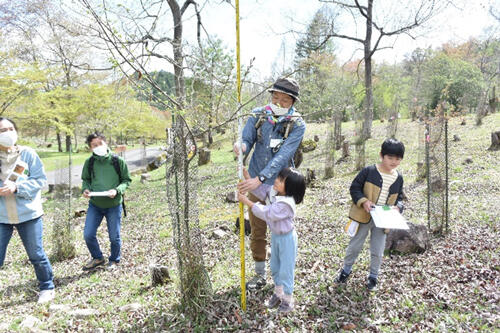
column 105, row 178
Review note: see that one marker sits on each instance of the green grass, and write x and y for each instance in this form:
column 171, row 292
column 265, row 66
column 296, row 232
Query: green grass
column 414, row 288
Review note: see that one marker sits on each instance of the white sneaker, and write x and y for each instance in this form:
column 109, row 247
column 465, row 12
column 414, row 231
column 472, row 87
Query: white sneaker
column 46, row 296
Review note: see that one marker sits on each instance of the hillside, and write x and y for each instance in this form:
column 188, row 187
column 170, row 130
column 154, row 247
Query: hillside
column 453, row 286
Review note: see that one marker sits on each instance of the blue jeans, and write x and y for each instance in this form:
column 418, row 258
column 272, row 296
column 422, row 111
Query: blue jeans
column 283, row 255
column 93, row 221
column 31, row 235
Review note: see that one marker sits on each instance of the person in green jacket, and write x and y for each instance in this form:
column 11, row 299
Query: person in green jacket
column 105, row 177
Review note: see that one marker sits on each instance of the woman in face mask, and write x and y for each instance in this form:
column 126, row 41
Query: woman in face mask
column 22, row 178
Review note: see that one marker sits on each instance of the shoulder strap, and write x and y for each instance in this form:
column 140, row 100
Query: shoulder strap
column 116, row 165
column 114, row 161
column 91, row 166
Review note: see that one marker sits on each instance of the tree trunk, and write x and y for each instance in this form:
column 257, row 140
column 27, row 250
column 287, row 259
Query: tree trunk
column 68, row 143
column 177, row 48
column 482, row 108
column 368, row 116
column 59, row 143
column 330, row 148
column 337, row 132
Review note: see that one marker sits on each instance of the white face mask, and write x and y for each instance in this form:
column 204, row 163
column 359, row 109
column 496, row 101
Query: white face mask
column 8, row 139
column 101, row 150
column 279, row 111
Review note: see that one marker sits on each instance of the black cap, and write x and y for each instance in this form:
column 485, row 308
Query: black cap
column 287, row 86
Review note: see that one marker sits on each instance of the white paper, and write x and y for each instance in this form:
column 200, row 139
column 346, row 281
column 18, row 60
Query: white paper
column 99, row 194
column 388, row 219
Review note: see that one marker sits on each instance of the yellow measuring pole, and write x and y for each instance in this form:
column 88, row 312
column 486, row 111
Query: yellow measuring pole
column 240, row 161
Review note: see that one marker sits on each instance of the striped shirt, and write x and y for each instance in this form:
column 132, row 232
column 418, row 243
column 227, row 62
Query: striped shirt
column 387, row 180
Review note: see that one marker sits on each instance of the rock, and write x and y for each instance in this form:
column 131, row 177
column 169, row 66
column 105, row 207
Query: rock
column 58, row 307
column 316, row 138
column 83, row 313
column 204, row 156
column 308, row 145
column 80, row 212
column 218, row 234
column 157, row 162
column 145, row 177
column 231, row 197
column 437, row 185
column 132, row 307
column 495, row 141
column 4, row 327
column 139, row 171
column 456, row 138
column 159, row 274
column 413, row 240
column 29, row 322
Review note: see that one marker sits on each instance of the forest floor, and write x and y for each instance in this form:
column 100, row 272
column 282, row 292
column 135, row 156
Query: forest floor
column 453, row 286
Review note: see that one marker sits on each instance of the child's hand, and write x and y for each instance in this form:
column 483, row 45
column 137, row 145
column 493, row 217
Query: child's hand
column 368, row 205
column 242, row 197
column 246, row 175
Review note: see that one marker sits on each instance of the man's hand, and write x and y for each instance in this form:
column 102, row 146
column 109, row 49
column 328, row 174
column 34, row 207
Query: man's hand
column 112, row 193
column 368, row 205
column 9, row 188
column 236, row 148
column 86, row 194
column 249, row 184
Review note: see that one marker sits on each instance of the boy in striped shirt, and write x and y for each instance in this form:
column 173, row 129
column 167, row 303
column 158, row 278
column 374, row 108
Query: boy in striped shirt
column 378, row 184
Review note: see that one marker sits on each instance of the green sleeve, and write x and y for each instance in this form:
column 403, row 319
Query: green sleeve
column 86, row 178
column 126, row 180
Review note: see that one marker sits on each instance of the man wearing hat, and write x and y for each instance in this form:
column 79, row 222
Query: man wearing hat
column 275, row 131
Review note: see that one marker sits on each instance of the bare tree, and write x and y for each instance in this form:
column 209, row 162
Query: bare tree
column 140, row 37
column 393, row 18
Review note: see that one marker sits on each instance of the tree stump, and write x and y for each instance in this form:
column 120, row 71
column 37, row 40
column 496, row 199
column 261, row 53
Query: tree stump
column 310, row 177
column 495, row 141
column 421, row 171
column 204, row 156
column 159, row 274
column 345, row 149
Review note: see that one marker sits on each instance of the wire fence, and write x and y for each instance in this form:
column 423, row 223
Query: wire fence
column 436, row 162
column 182, row 184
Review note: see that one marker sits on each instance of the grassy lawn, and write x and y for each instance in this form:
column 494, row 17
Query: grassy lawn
column 453, row 286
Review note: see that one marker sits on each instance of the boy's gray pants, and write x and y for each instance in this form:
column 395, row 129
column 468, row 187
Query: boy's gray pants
column 377, row 245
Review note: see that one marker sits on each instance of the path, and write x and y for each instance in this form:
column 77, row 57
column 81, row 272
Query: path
column 135, row 159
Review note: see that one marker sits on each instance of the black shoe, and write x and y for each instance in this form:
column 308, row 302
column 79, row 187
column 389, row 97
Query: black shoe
column 257, row 282
column 372, row 284
column 342, row 277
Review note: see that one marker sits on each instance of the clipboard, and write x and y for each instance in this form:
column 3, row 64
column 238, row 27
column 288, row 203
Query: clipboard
column 388, row 218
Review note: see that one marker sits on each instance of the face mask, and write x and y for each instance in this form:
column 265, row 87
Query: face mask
column 279, row 111
column 8, row 139
column 101, row 150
